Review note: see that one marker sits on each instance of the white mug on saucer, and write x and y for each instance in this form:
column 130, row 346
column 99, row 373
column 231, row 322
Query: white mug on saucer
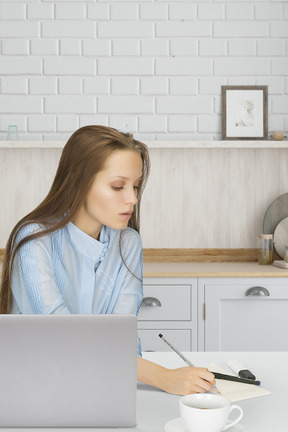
column 207, row 412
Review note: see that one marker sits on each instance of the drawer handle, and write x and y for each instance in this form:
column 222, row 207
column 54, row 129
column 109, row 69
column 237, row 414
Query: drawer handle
column 257, row 291
column 151, row 302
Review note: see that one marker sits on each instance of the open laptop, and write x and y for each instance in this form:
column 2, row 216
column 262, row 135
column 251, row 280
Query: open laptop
column 68, row 370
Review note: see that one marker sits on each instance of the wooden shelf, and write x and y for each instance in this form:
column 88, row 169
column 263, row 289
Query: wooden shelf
column 242, row 144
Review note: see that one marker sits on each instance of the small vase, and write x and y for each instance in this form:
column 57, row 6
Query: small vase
column 12, row 134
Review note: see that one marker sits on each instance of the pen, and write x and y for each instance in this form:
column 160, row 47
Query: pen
column 214, row 388
column 176, row 351
column 216, row 374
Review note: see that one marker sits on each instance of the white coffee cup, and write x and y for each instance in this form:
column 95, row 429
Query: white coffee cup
column 207, row 412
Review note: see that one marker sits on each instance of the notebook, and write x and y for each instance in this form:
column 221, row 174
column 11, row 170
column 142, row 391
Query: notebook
column 68, row 370
column 236, row 391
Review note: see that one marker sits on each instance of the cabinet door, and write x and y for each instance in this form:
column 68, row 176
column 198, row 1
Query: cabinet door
column 237, row 319
column 166, row 302
column 169, row 307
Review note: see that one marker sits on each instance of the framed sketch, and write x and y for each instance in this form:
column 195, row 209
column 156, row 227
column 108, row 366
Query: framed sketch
column 244, row 112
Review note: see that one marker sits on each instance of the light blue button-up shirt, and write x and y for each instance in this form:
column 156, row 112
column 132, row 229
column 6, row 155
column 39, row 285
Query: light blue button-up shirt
column 70, row 272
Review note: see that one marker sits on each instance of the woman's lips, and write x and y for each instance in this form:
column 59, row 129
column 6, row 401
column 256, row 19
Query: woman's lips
column 126, row 215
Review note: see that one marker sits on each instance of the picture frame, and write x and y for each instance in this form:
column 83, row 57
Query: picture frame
column 244, row 112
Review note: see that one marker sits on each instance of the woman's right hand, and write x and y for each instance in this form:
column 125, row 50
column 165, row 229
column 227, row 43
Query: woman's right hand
column 181, row 381
column 187, row 380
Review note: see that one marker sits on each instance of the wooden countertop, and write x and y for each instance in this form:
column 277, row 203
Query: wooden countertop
column 211, row 269
column 203, row 263
column 224, row 269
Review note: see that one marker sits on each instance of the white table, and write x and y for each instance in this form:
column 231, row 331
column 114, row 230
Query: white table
column 263, row 414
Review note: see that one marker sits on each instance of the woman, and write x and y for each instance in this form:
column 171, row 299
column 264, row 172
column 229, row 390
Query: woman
column 79, row 251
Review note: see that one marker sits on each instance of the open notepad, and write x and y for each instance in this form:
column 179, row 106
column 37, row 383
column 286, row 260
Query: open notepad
column 235, row 391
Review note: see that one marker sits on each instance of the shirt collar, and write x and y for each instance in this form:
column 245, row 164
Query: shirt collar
column 87, row 245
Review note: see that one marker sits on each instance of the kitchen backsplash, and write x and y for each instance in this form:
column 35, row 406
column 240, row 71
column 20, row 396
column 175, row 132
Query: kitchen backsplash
column 195, row 197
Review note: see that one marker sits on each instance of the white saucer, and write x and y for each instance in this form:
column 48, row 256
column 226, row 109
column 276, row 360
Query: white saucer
column 177, row 425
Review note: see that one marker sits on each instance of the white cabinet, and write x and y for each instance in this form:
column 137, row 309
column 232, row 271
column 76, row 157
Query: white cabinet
column 169, row 307
column 215, row 314
column 243, row 314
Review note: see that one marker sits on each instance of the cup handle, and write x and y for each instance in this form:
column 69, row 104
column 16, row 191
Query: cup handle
column 233, row 407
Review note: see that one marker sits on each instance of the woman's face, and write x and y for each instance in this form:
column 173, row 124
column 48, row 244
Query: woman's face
column 111, row 198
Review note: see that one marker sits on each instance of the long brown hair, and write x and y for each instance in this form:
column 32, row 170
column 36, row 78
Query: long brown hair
column 82, row 157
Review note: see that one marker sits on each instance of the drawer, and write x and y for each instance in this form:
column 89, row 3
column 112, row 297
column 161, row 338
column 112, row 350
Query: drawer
column 167, row 303
column 150, row 340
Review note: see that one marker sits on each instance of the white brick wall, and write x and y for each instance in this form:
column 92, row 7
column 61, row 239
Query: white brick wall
column 153, row 67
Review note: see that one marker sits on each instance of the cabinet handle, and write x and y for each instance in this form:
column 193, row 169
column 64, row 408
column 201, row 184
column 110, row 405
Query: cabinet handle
column 151, row 302
column 257, row 291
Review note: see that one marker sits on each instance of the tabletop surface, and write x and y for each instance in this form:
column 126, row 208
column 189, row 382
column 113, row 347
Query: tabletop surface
column 263, row 414
column 212, row 269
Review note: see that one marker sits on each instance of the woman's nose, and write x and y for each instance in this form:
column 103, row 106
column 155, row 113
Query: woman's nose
column 132, row 196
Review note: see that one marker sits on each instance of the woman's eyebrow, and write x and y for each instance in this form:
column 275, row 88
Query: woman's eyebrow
column 124, row 178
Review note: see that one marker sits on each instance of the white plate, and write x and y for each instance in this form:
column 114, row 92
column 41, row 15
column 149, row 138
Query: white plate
column 177, row 425
column 277, row 211
column 281, row 237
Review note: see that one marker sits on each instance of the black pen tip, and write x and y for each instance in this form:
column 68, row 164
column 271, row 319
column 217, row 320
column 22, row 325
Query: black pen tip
column 160, row 335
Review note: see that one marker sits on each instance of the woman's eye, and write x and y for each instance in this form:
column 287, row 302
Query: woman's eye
column 118, row 188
